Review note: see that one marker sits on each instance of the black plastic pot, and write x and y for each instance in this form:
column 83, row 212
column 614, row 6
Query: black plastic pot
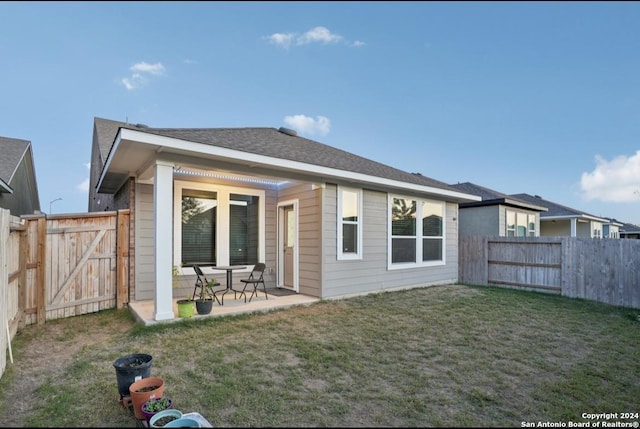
column 131, row 368
column 204, row 306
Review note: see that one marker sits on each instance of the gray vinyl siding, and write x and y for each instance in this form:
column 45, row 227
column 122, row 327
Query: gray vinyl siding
column 483, row 220
column 145, row 243
column 24, row 200
column 343, row 278
column 309, row 236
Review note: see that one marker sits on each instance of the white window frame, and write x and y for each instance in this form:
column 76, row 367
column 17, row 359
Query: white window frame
column 518, row 218
column 222, row 224
column 341, row 255
column 418, row 237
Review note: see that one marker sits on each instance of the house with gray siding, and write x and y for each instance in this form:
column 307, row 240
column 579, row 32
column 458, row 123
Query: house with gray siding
column 497, row 214
column 327, row 223
column 18, row 185
column 611, row 229
column 560, row 220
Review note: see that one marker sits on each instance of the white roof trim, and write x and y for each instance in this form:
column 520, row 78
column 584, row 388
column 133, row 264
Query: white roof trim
column 174, row 143
column 577, row 216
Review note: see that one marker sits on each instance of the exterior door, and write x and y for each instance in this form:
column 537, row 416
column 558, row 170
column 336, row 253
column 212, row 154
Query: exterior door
column 287, row 245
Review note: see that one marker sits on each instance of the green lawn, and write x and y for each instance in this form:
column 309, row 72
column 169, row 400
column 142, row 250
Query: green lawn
column 440, row 356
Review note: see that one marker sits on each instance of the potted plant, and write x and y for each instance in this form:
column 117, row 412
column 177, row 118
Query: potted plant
column 143, row 390
column 154, row 405
column 186, row 306
column 204, row 302
column 130, row 368
column 161, row 418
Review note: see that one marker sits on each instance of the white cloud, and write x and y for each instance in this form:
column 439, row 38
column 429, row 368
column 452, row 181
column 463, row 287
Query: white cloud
column 84, row 186
column 306, row 125
column 617, row 180
column 140, row 74
column 155, row 69
column 320, row 35
column 281, row 39
column 315, row 35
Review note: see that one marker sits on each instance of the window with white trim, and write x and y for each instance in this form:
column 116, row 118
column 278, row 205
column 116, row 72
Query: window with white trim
column 597, row 230
column 349, row 211
column 217, row 225
column 416, row 232
column 520, row 224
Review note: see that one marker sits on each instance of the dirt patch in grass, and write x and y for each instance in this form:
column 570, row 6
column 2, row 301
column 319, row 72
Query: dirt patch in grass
column 46, row 351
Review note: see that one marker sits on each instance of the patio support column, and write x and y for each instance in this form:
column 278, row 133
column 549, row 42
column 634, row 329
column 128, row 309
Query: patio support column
column 163, row 209
column 574, row 227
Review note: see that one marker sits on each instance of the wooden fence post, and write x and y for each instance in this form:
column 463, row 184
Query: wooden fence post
column 23, row 253
column 41, row 270
column 122, row 258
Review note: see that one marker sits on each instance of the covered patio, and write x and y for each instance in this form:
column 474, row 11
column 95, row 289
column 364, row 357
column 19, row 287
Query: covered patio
column 143, row 310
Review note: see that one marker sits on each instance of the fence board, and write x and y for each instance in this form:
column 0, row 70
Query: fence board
column 603, row 270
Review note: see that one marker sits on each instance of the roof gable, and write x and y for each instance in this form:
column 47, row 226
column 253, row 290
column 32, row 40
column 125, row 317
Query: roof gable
column 12, row 153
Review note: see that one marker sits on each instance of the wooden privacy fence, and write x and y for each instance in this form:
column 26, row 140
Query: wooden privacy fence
column 603, row 270
column 60, row 266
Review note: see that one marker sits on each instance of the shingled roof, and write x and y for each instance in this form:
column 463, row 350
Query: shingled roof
column 555, row 209
column 11, row 154
column 271, row 142
column 491, row 197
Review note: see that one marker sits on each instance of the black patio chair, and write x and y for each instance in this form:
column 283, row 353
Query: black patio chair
column 255, row 278
column 205, row 286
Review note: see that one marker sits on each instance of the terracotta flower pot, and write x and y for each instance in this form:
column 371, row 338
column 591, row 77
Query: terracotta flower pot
column 142, row 390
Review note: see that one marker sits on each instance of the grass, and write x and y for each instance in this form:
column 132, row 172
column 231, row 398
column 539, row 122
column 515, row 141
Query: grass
column 442, row 356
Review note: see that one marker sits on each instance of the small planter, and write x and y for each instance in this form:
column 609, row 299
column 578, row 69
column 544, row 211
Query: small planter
column 186, row 308
column 142, row 390
column 161, row 418
column 204, row 306
column 155, row 405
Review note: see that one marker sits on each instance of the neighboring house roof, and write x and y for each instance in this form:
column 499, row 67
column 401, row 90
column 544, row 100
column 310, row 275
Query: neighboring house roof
column 259, row 148
column 629, row 228
column 614, row 222
column 491, row 197
column 12, row 153
column 557, row 211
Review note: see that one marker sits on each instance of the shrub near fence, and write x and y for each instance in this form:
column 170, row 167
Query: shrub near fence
column 603, row 270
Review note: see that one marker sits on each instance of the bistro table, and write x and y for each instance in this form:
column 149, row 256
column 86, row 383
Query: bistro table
column 229, row 269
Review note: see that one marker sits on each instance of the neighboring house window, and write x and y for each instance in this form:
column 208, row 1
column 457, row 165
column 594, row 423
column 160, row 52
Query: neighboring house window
column 520, row 224
column 349, row 223
column 417, row 232
column 220, row 226
column 532, row 225
column 597, row 231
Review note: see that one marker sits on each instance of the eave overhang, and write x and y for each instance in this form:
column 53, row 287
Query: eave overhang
column 134, row 154
column 5, row 188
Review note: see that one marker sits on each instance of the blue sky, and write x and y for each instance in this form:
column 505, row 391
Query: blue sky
column 534, row 97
